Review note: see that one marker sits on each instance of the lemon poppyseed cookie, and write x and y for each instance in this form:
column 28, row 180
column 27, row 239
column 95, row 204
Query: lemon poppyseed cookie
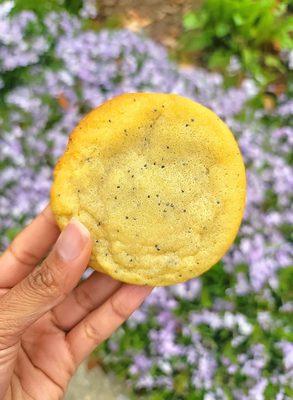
column 159, row 182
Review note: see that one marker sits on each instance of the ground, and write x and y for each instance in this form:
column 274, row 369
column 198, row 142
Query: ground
column 91, row 383
column 161, row 20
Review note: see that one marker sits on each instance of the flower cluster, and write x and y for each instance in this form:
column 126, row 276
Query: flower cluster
column 208, row 336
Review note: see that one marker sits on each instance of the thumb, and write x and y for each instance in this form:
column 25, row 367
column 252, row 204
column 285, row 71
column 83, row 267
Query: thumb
column 46, row 286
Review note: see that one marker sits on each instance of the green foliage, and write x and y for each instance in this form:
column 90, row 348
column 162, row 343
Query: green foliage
column 219, row 341
column 285, row 289
column 41, row 7
column 217, row 282
column 12, row 232
column 252, row 31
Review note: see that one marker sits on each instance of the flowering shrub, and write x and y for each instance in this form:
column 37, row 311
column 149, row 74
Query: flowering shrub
column 222, row 336
column 247, row 35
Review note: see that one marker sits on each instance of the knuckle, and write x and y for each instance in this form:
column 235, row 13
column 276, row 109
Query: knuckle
column 119, row 308
column 92, row 332
column 47, row 215
column 83, row 299
column 22, row 255
column 43, row 279
column 8, row 340
column 9, row 332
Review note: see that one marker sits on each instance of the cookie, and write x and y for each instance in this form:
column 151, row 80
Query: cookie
column 159, row 182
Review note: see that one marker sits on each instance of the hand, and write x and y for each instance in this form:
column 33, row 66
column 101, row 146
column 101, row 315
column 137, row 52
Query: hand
column 48, row 325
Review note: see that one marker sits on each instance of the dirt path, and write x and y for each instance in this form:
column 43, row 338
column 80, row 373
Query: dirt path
column 160, row 19
column 94, row 384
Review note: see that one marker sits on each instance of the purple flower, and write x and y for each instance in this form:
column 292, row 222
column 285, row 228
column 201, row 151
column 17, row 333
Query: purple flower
column 140, row 364
column 257, row 391
column 95, row 66
column 145, row 381
column 188, row 291
column 287, row 349
column 203, row 376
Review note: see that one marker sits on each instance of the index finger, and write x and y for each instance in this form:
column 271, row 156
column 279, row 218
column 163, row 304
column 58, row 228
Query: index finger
column 28, row 249
column 98, row 325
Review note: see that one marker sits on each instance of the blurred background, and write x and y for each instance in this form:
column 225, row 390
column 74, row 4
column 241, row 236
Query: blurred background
column 228, row 334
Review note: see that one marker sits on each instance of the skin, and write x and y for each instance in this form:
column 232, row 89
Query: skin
column 48, row 324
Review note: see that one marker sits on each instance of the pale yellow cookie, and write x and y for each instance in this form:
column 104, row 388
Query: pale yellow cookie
column 159, row 182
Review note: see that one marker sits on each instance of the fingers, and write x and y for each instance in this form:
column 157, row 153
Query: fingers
column 47, row 285
column 28, row 248
column 84, row 298
column 101, row 323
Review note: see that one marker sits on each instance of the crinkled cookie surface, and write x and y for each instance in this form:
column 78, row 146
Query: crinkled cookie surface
column 159, row 182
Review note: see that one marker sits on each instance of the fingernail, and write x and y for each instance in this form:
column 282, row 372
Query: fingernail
column 72, row 240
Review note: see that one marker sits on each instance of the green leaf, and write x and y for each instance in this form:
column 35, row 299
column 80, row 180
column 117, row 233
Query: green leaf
column 272, row 61
column 181, row 382
column 191, row 21
column 222, row 29
column 285, row 284
column 73, row 5
column 219, row 59
column 206, row 300
column 285, row 40
column 287, row 231
column 238, row 20
column 250, row 58
column 12, row 232
column 196, row 42
column 42, row 7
